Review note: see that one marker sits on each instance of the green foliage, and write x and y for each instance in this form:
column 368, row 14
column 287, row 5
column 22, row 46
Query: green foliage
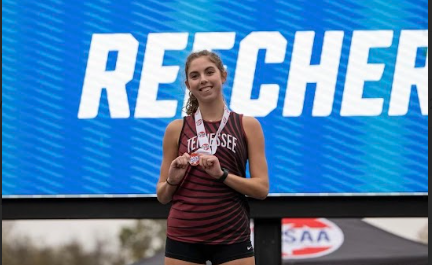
column 141, row 240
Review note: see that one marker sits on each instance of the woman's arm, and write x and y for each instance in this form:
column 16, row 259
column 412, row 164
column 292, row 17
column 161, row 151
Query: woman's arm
column 258, row 185
column 170, row 153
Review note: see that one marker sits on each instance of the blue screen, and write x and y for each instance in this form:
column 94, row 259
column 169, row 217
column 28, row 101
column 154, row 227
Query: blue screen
column 340, row 89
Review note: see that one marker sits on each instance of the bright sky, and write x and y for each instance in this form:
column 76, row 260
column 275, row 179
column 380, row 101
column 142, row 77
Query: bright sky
column 54, row 232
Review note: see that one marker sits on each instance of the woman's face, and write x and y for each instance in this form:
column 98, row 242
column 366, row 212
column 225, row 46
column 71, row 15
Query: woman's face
column 204, row 79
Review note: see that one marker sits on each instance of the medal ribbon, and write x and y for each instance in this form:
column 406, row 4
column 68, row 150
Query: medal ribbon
column 205, row 147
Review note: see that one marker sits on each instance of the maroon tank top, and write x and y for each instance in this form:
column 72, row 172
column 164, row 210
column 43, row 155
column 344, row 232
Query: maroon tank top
column 204, row 210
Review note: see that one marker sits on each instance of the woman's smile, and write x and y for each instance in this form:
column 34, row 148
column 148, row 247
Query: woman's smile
column 205, row 89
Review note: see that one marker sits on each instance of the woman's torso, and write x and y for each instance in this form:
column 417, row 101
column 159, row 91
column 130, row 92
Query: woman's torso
column 204, row 210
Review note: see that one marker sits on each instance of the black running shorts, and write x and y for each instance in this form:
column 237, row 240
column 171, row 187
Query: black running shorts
column 200, row 253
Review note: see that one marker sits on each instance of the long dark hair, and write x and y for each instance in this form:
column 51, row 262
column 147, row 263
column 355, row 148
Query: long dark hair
column 192, row 104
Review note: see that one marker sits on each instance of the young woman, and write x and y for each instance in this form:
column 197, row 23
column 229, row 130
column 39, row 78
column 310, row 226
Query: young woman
column 203, row 173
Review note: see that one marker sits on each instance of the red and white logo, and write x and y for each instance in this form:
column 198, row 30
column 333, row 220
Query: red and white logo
column 201, row 134
column 194, row 159
column 199, row 122
column 309, row 238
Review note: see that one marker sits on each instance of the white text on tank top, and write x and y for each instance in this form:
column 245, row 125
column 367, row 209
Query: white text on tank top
column 205, row 147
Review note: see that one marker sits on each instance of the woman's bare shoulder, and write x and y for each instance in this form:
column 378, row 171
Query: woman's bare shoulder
column 174, row 126
column 250, row 122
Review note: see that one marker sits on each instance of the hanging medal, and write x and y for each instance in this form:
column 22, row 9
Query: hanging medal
column 194, row 159
column 205, row 146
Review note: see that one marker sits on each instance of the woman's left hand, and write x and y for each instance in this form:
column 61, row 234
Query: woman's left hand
column 211, row 165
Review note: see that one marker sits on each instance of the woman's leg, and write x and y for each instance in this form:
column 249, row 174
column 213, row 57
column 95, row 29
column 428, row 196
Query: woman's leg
column 170, row 261
column 245, row 261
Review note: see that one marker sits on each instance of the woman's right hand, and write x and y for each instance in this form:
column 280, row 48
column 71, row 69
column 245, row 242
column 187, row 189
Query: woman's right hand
column 178, row 169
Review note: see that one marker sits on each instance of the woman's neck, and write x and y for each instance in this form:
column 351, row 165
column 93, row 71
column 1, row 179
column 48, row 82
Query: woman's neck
column 212, row 112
